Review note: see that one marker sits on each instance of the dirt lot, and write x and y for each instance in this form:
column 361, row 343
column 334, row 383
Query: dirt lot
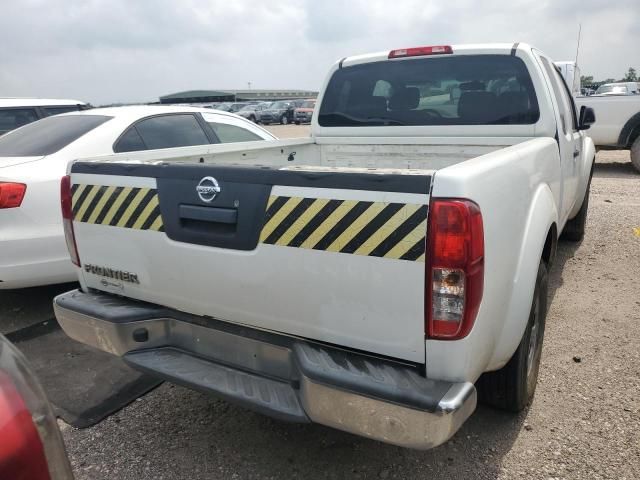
column 584, row 422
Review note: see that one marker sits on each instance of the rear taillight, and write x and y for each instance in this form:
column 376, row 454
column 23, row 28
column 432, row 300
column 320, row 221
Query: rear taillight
column 11, row 194
column 420, row 51
column 31, row 446
column 67, row 218
column 454, row 268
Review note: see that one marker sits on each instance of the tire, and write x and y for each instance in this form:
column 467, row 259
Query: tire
column 512, row 387
column 297, row 122
column 575, row 228
column 635, row 153
column 284, row 120
column 252, row 118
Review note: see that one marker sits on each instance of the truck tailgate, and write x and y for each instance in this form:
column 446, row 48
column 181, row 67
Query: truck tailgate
column 333, row 255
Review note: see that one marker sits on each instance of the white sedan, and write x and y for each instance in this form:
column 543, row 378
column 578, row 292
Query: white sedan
column 33, row 158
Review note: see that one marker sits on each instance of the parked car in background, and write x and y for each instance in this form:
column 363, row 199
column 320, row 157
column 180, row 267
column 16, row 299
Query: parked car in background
column 278, row 112
column 31, row 445
column 16, row 112
column 33, row 158
column 223, row 107
column 304, row 112
column 619, row 88
column 233, row 107
column 252, row 112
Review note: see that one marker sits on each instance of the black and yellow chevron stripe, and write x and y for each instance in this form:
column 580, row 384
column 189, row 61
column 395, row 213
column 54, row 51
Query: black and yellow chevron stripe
column 377, row 229
column 127, row 207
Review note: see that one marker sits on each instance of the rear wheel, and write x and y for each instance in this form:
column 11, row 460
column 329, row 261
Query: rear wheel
column 635, row 153
column 575, row 228
column 512, row 387
column 252, row 118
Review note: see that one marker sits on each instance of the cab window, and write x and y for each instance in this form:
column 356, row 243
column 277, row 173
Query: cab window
column 448, row 90
column 565, row 103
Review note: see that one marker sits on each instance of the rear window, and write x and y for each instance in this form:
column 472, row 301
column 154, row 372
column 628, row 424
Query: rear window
column 48, row 135
column 456, row 90
column 12, row 118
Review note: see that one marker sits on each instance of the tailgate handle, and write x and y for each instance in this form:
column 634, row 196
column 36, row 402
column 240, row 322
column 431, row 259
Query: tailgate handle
column 209, row 214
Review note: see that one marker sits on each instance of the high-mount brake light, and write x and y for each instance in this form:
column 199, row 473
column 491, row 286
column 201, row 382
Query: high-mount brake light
column 421, row 51
column 454, row 268
column 11, row 194
column 67, row 218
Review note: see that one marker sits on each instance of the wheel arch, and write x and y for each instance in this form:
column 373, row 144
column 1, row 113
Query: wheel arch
column 630, row 131
column 550, row 245
column 539, row 240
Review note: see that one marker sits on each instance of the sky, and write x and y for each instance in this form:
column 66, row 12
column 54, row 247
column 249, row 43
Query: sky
column 107, row 51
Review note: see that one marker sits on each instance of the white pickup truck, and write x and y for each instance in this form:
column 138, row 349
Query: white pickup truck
column 377, row 277
column 618, row 125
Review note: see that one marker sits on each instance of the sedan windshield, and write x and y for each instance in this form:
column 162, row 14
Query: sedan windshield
column 48, row 135
column 612, row 89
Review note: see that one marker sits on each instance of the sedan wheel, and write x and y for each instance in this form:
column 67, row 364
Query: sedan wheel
column 284, row 120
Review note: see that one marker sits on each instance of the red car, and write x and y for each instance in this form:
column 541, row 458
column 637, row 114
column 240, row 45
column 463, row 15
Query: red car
column 31, row 446
column 304, row 112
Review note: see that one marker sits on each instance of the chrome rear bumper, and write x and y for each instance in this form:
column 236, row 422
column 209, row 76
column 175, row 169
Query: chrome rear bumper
column 284, row 377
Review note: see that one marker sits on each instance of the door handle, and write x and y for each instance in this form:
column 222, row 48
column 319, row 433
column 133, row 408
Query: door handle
column 208, row 214
column 576, row 154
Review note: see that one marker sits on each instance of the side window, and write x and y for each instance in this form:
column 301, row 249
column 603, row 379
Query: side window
column 168, row 131
column 567, row 114
column 130, row 142
column 59, row 110
column 12, row 118
column 231, row 133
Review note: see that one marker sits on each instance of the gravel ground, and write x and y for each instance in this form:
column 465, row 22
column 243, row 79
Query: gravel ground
column 583, row 422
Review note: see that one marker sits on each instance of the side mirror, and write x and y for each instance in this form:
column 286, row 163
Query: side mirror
column 587, row 118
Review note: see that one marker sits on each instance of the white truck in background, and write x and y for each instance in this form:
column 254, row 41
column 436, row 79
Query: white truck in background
column 618, row 114
column 618, row 125
column 570, row 71
column 377, row 277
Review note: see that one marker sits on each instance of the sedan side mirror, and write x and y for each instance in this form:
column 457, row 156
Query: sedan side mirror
column 587, row 118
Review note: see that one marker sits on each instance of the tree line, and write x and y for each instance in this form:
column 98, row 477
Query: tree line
column 588, row 81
